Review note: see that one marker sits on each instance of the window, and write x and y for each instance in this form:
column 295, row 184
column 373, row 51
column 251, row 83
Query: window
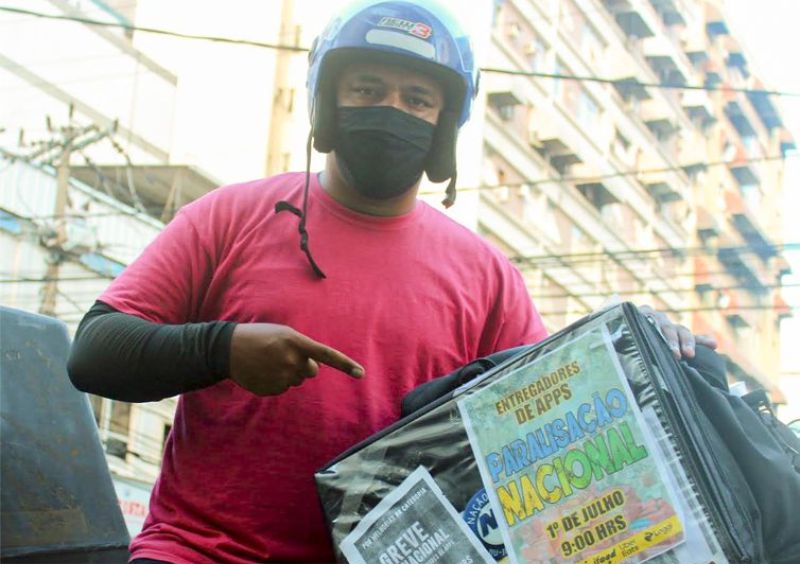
column 623, row 150
column 572, row 18
column 752, row 196
column 120, row 417
column 536, row 51
column 621, row 140
column 752, row 146
column 502, row 192
column 591, row 45
column 558, row 86
column 581, row 242
column 588, row 110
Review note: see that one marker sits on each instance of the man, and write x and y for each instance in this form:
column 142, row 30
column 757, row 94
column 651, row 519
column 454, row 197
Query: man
column 284, row 360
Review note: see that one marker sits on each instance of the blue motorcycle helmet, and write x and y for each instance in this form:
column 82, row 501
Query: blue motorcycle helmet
column 417, row 34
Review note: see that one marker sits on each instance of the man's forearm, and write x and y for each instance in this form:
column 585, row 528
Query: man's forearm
column 127, row 358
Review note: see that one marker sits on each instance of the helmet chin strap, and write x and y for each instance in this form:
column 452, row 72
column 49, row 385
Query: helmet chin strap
column 303, row 214
column 450, row 193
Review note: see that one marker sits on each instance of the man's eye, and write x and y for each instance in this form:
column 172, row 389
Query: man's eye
column 418, row 102
column 364, row 90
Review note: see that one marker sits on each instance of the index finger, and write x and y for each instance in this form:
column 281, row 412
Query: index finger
column 330, row 357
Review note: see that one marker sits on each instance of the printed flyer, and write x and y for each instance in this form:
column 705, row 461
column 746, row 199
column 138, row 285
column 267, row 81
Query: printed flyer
column 569, row 465
column 414, row 524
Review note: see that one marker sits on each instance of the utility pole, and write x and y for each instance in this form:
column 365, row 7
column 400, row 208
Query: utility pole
column 56, row 257
column 57, row 151
column 284, row 96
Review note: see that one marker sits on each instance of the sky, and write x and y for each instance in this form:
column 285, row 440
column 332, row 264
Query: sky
column 768, row 29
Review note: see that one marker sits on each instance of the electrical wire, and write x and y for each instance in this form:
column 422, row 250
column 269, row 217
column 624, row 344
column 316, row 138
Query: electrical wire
column 627, row 82
column 522, row 183
column 686, row 310
column 672, row 290
column 126, row 27
column 32, row 300
column 565, row 259
column 561, row 259
column 297, row 49
column 620, row 174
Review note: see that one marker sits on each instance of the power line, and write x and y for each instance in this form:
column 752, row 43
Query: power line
column 620, row 174
column 56, row 279
column 298, row 49
column 536, row 261
column 629, row 82
column 640, row 279
column 646, row 254
column 94, row 294
column 672, row 290
column 561, row 259
column 126, row 27
column 686, row 310
column 517, row 184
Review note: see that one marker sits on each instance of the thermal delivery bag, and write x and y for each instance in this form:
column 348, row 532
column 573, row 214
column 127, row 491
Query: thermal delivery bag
column 588, row 447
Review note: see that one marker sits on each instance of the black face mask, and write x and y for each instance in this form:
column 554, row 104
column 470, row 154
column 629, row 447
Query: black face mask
column 381, row 151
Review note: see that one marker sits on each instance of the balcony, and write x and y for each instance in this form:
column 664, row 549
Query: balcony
column 736, row 264
column 664, row 192
column 737, row 116
column 506, row 94
column 660, row 119
column 742, row 169
column 782, row 266
column 747, row 225
column 630, row 18
column 696, row 49
column 698, row 107
column 736, row 58
column 630, row 88
column 787, row 142
column 713, row 74
column 707, row 225
column 665, row 59
column 669, row 12
column 782, row 309
column 693, row 152
column 597, row 194
column 766, row 110
column 715, row 22
column 546, row 137
column 729, row 302
column 702, row 278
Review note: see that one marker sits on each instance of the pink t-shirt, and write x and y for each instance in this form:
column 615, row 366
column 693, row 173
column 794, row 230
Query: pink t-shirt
column 408, row 297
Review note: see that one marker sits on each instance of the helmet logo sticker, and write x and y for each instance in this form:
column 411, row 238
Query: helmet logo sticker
column 397, row 40
column 419, row 29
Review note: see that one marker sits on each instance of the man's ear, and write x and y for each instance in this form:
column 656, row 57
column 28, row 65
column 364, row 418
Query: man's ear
column 441, row 162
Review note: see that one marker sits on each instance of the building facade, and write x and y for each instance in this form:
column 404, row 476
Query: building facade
column 658, row 194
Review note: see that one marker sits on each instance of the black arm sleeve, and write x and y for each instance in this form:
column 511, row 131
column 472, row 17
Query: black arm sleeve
column 124, row 357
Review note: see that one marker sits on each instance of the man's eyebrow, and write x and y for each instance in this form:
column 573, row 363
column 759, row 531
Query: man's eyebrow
column 417, row 89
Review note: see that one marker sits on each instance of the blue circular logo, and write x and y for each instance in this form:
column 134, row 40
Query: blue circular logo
column 480, row 518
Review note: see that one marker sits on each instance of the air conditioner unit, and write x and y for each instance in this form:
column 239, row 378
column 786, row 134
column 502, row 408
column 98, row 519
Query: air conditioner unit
column 80, row 237
column 116, row 447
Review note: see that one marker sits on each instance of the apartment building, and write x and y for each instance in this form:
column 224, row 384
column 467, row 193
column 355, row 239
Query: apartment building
column 660, row 195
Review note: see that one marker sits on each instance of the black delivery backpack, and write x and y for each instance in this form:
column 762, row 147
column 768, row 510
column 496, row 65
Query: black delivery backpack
column 593, row 446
